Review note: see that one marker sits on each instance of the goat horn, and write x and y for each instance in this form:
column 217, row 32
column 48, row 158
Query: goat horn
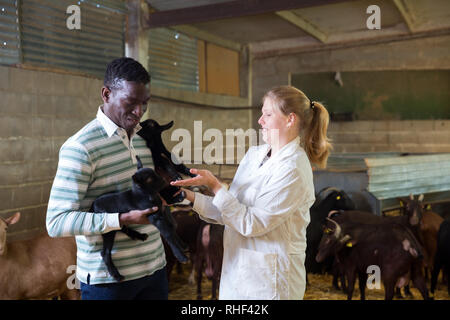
column 332, row 212
column 411, row 196
column 337, row 232
column 322, row 194
column 421, row 197
column 345, row 238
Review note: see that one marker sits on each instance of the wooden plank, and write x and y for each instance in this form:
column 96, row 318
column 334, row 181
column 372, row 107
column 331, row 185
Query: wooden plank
column 443, row 167
column 388, row 194
column 437, row 158
column 222, row 70
column 434, row 183
column 303, row 24
column 231, row 9
column 419, row 174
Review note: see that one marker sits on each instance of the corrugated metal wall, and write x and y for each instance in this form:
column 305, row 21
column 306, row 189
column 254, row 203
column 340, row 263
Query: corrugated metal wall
column 9, row 32
column 46, row 40
column 173, row 60
column 35, row 32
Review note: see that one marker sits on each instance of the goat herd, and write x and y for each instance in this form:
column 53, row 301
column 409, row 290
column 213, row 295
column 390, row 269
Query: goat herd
column 350, row 243
column 347, row 243
column 342, row 241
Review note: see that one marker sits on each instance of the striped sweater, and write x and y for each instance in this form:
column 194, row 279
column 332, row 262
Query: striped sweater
column 99, row 159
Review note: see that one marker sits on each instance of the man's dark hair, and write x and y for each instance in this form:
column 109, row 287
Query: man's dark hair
column 124, row 69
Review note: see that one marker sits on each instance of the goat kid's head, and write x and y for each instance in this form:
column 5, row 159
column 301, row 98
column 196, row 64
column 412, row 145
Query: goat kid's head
column 4, row 223
column 333, row 240
column 413, row 208
column 151, row 128
column 147, row 179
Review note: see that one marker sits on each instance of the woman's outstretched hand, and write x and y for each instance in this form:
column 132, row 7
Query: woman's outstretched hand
column 204, row 177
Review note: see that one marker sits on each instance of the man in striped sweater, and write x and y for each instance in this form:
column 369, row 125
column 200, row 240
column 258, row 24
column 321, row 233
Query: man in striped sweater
column 98, row 159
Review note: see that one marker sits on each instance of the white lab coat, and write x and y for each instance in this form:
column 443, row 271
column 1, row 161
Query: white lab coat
column 265, row 213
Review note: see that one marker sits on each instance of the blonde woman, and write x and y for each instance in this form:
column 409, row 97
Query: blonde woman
column 266, row 209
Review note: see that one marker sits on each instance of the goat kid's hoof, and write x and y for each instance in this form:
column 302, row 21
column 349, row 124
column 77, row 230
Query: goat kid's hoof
column 143, row 237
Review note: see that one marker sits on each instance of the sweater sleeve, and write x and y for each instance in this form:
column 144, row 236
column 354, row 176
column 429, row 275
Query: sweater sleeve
column 64, row 217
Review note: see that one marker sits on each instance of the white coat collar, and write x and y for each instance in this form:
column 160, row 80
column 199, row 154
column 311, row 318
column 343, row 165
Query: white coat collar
column 284, row 152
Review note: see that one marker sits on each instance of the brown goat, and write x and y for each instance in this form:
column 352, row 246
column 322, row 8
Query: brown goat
column 429, row 227
column 35, row 268
column 208, row 257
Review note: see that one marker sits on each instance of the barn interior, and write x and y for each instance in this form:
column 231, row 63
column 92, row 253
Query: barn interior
column 381, row 68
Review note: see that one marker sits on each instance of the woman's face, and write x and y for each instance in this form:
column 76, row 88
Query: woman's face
column 273, row 122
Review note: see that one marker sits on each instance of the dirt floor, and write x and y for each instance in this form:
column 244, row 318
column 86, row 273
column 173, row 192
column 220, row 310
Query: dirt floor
column 319, row 288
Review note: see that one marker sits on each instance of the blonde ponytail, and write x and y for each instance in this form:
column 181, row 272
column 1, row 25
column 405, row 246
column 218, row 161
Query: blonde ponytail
column 314, row 119
column 314, row 136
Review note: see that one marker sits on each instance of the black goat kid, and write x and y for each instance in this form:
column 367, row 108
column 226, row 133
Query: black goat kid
column 143, row 195
column 164, row 165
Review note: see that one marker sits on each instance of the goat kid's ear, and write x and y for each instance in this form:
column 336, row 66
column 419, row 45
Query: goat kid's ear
column 402, row 201
column 167, row 126
column 13, row 219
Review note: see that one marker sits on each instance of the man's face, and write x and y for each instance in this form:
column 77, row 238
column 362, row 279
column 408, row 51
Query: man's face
column 126, row 105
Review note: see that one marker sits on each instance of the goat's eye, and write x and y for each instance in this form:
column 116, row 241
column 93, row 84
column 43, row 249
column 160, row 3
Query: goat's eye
column 327, row 230
column 338, row 198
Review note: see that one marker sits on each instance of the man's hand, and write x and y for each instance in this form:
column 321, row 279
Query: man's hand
column 136, row 216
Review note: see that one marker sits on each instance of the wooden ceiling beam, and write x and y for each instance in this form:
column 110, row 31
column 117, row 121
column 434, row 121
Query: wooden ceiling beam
column 232, row 9
column 207, row 36
column 408, row 14
column 303, row 24
column 281, row 47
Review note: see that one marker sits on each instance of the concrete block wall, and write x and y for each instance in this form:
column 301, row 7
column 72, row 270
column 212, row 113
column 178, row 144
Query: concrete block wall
column 366, row 136
column 415, row 136
column 39, row 110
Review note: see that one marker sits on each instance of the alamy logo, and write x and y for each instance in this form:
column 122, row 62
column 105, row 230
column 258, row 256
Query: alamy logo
column 72, row 281
column 73, row 22
column 374, row 20
column 374, row 277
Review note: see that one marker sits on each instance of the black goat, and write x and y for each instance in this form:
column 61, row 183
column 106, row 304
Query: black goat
column 143, row 195
column 389, row 245
column 163, row 160
column 327, row 199
column 442, row 257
